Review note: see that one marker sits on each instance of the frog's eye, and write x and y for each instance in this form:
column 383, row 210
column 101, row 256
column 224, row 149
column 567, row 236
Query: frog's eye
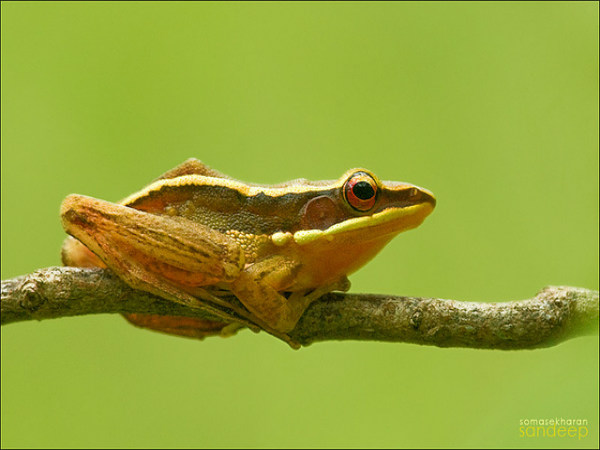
column 360, row 191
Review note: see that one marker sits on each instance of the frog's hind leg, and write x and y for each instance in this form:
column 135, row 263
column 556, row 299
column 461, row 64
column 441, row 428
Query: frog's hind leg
column 192, row 166
column 183, row 326
column 74, row 253
column 160, row 255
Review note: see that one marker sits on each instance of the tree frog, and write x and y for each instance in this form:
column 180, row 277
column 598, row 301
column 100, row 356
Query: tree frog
column 195, row 234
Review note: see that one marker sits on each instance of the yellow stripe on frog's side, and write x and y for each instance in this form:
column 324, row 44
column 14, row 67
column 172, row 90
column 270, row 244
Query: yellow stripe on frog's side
column 280, row 238
column 243, row 188
column 306, row 236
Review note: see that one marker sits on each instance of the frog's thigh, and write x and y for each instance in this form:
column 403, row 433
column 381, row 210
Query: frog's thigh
column 162, row 255
column 257, row 288
column 175, row 248
column 74, row 253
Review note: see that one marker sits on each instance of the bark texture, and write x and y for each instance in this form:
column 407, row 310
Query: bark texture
column 555, row 314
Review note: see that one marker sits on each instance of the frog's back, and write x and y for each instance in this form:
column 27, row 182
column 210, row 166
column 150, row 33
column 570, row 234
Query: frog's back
column 224, row 204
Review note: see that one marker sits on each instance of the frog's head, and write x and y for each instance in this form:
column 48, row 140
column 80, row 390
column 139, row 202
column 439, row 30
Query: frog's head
column 351, row 220
column 361, row 207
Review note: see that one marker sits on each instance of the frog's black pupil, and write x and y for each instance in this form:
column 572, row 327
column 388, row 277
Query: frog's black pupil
column 363, row 190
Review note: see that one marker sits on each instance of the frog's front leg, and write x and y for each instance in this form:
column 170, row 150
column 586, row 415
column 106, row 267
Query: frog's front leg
column 259, row 288
column 167, row 256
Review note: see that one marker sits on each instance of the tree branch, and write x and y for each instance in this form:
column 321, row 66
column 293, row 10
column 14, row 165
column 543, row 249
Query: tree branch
column 554, row 315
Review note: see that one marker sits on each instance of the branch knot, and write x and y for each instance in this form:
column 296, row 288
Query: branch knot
column 30, row 298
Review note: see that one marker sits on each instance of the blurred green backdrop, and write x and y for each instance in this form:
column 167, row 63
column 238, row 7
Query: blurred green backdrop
column 494, row 107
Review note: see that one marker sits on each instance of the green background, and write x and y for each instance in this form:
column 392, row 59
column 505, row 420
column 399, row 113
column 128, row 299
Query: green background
column 493, row 107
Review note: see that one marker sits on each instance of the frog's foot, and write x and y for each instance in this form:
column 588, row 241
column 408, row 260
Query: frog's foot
column 343, row 285
column 231, row 329
column 303, row 299
column 182, row 326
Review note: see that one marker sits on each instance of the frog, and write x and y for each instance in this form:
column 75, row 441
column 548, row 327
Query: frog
column 248, row 255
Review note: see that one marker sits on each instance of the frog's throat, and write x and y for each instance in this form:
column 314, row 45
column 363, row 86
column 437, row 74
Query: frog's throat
column 386, row 216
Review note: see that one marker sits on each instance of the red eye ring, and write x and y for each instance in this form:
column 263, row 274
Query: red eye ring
column 360, row 191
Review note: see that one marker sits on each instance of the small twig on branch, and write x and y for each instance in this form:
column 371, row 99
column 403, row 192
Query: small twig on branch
column 554, row 315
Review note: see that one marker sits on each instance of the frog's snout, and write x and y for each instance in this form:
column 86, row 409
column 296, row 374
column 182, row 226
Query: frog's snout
column 426, row 196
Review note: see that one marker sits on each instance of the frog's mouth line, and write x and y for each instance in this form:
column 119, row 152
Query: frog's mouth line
column 356, row 223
